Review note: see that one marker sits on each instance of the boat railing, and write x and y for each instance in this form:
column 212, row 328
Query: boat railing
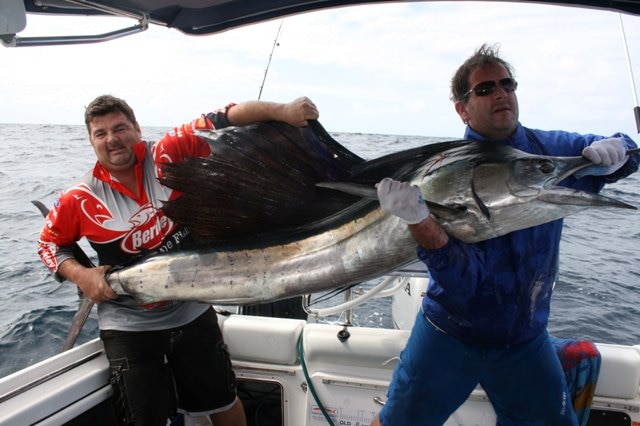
column 350, row 303
column 388, row 287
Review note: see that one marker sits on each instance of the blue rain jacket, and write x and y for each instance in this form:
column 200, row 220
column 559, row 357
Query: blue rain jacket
column 497, row 293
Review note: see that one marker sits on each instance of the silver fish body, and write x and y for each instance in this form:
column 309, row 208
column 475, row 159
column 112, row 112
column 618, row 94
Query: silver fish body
column 358, row 250
column 300, row 215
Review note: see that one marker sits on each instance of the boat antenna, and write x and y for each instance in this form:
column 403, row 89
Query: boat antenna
column 275, row 43
column 636, row 108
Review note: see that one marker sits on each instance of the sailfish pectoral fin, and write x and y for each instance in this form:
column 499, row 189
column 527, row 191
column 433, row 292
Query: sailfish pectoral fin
column 368, row 191
column 481, row 205
column 357, row 189
column 446, row 212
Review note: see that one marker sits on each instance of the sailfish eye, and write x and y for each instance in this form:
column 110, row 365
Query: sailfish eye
column 546, row 166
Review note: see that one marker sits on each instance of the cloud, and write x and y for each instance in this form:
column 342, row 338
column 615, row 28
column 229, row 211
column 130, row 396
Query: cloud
column 376, row 69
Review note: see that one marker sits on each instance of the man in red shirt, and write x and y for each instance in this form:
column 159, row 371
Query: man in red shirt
column 166, row 357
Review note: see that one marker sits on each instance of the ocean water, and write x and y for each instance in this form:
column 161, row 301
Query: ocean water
column 597, row 295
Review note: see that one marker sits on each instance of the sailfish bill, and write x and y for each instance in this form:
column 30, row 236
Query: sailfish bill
column 279, row 211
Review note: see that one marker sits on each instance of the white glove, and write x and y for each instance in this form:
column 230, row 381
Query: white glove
column 403, row 200
column 606, row 152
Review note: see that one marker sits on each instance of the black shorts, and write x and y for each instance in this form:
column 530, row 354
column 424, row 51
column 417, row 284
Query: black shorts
column 157, row 373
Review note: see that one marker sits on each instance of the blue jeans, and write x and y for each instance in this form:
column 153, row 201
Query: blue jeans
column 437, row 372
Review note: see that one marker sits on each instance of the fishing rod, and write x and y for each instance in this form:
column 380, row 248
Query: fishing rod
column 275, row 43
column 636, row 108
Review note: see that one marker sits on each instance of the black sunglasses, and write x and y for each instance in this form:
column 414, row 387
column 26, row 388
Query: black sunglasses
column 488, row 87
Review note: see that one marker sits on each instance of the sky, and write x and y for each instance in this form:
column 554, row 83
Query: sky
column 382, row 68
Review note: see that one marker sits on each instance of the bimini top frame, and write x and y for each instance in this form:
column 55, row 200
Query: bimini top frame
column 200, row 17
column 13, row 20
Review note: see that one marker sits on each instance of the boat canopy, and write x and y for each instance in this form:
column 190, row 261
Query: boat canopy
column 196, row 17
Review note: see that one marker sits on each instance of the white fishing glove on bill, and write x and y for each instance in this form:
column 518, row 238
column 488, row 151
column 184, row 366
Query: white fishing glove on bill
column 403, row 200
column 607, row 154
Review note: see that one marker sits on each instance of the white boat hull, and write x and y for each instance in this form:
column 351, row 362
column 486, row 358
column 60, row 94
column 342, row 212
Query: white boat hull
column 349, row 377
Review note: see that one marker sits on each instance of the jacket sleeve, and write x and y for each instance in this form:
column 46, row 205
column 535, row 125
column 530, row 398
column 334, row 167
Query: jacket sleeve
column 183, row 142
column 60, row 232
column 218, row 118
column 453, row 264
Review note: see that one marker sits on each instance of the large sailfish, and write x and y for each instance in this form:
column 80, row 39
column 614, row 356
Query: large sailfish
column 279, row 211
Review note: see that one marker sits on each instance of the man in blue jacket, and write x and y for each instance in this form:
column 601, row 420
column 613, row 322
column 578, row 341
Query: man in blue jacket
column 485, row 313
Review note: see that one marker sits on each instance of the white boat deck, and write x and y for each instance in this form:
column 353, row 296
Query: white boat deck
column 349, row 377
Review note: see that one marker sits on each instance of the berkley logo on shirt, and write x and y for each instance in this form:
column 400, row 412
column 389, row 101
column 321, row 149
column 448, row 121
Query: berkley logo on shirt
column 144, row 230
column 149, row 227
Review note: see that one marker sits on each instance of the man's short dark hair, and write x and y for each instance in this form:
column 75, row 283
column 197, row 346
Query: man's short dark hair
column 486, row 55
column 106, row 104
